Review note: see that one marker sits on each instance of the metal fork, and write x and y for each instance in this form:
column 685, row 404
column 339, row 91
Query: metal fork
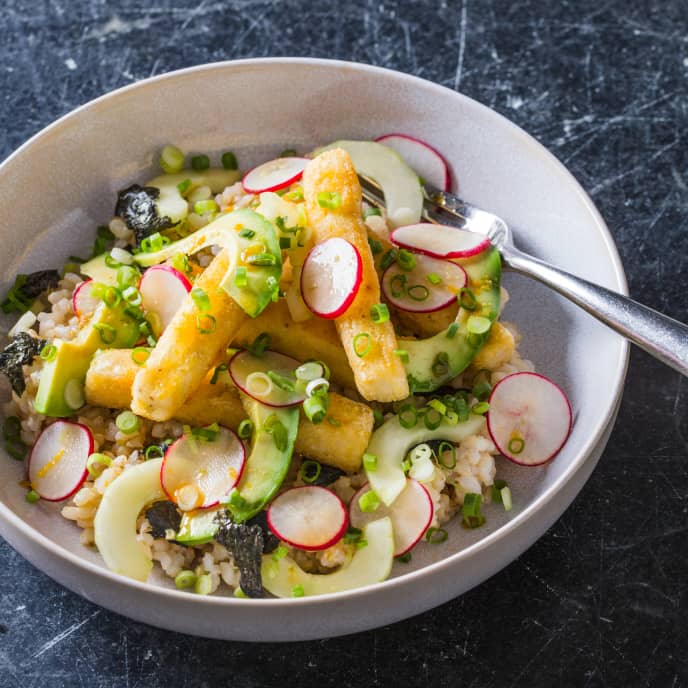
column 664, row 338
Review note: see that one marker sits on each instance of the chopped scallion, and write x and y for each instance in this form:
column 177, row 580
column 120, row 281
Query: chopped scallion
column 370, row 462
column 229, row 161
column 434, row 278
column 402, row 354
column 406, row 260
column 369, row 502
column 362, row 344
column 310, row 471
column 516, row 445
column 48, row 352
column 140, row 355
column 436, row 535
column 471, row 513
column 106, row 332
column 206, row 324
column 245, row 429
column 127, row 422
column 171, row 159
column 200, row 162
column 379, row 313
column 97, row 463
column 240, row 277
column 329, row 199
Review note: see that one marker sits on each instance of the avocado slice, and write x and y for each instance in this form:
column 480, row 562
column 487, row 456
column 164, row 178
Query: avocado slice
column 62, row 378
column 436, row 360
column 198, row 527
column 399, row 183
column 267, row 464
column 255, row 248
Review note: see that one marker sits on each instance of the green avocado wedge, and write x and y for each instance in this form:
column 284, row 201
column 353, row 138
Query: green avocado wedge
column 436, row 360
column 198, row 527
column 62, row 378
column 255, row 250
column 269, row 460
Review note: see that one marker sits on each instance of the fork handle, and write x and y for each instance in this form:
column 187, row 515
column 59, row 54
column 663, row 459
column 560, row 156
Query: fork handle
column 661, row 336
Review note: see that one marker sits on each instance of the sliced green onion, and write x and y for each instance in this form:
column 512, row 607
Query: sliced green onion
column 370, row 462
column 127, row 422
column 204, row 584
column 379, row 313
column 418, row 292
column 315, row 408
column 185, row 579
column 432, row 419
column 171, row 159
column 361, row 544
column 205, row 207
column 317, row 387
column 329, row 199
column 200, row 162
column 208, row 433
column 247, row 233
column 378, row 418
column 311, row 370
column 106, row 332
column 295, row 195
column 48, row 352
column 443, row 448
column 398, row 285
column 154, row 451
column 434, row 278
column 184, row 186
column 406, row 260
column 200, row 298
column 110, row 262
column 229, row 161
column 206, row 324
column 369, row 502
column 480, row 409
column 258, row 383
column 481, row 385
column 32, row 496
column 280, row 553
column 239, row 593
column 285, row 243
column 127, row 276
column 404, row 558
column 438, row 406
column 240, row 277
column 260, row 344
column 467, row 299
column 506, row 498
column 371, row 211
column 289, row 153
column 352, row 535
column 408, row 416
column 334, row 422
column 421, row 452
column 310, row 471
column 273, row 426
column 140, row 355
column 477, row 324
column 298, row 591
column 97, row 459
column 436, row 535
column 402, row 354
column 440, row 366
column 154, row 242
column 132, row 296
column 282, row 381
column 375, row 246
column 262, row 260
column 451, row 418
column 516, row 445
column 362, row 344
column 111, row 297
column 216, row 373
column 388, row 258
column 245, row 429
column 471, row 514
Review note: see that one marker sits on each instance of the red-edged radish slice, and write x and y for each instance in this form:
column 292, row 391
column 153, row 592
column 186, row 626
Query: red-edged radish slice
column 83, row 301
column 529, row 418
column 274, row 175
column 440, row 241
column 163, row 290
column 308, row 517
column 196, row 473
column 331, row 277
column 269, row 378
column 57, row 465
column 412, row 290
column 422, row 157
column 411, row 514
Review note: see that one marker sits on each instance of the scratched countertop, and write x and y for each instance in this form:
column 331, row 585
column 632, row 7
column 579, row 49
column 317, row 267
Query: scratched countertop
column 602, row 598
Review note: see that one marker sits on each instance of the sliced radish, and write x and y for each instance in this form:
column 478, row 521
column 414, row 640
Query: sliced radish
column 84, row 303
column 440, row 241
column 308, row 517
column 269, row 378
column 274, row 175
column 331, row 277
column 422, row 157
column 163, row 290
column 411, row 514
column 432, row 284
column 529, row 418
column 196, row 473
column 57, row 465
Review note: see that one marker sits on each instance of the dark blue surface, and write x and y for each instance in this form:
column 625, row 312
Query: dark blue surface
column 602, row 599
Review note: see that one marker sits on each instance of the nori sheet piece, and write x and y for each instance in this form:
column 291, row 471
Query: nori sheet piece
column 326, row 476
column 27, row 288
column 270, row 540
column 246, row 545
column 163, row 516
column 136, row 206
column 19, row 352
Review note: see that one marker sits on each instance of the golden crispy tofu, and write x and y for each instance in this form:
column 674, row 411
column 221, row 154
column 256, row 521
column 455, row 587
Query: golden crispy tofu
column 497, row 350
column 184, row 353
column 379, row 374
column 311, row 339
column 112, row 372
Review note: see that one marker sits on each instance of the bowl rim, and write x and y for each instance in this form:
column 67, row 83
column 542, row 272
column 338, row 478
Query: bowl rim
column 518, row 521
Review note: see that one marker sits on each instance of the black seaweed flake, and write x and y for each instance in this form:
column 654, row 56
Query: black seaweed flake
column 270, row 540
column 327, row 475
column 246, row 545
column 136, row 206
column 163, row 517
column 19, row 352
column 27, row 288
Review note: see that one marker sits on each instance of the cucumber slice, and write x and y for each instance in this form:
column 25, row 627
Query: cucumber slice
column 399, row 183
column 427, row 369
column 267, row 464
column 115, row 521
column 369, row 565
column 170, row 203
column 391, row 442
column 262, row 281
column 198, row 527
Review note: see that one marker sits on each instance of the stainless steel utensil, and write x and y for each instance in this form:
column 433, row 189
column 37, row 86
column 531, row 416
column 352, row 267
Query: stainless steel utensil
column 661, row 336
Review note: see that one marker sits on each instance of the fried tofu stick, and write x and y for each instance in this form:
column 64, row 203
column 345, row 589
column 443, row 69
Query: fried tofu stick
column 379, row 374
column 339, row 443
column 184, row 354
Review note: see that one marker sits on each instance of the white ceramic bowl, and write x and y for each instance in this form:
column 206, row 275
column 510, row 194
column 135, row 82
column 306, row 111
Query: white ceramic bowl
column 61, row 184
